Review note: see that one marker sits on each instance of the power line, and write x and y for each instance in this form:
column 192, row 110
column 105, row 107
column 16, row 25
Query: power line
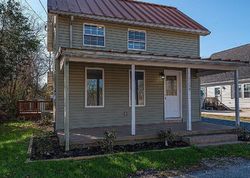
column 34, row 11
column 43, row 7
column 45, row 11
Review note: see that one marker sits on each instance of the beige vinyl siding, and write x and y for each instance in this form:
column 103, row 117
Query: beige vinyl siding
column 116, row 110
column 158, row 41
column 226, row 96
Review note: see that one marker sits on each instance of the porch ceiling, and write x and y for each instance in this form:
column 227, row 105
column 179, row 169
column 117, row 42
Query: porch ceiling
column 144, row 58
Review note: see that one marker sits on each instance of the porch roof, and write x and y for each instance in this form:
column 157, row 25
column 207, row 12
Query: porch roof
column 145, row 58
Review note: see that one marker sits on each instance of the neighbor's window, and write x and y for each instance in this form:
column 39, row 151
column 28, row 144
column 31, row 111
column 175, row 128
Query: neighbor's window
column 94, row 35
column 246, row 90
column 232, row 91
column 139, row 88
column 94, row 88
column 136, row 40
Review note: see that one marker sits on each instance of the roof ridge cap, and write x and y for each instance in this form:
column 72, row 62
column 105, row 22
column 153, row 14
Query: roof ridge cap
column 149, row 3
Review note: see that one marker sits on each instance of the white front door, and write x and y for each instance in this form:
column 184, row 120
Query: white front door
column 172, row 94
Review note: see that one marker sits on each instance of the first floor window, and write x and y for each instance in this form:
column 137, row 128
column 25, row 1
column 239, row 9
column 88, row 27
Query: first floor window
column 94, row 35
column 246, row 90
column 233, row 93
column 94, row 88
column 139, row 88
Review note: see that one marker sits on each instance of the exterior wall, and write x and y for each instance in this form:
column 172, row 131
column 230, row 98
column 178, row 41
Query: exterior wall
column 117, row 97
column 158, row 41
column 226, row 96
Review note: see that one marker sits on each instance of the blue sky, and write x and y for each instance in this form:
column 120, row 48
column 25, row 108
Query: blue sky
column 228, row 20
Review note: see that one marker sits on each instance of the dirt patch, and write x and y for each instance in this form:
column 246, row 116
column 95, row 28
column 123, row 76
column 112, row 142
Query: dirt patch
column 47, row 147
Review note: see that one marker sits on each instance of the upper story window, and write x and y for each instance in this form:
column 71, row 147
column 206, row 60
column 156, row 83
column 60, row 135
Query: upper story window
column 94, row 35
column 136, row 40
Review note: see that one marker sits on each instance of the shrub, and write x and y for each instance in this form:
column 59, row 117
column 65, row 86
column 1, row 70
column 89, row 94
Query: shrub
column 107, row 144
column 167, row 136
column 243, row 134
column 46, row 119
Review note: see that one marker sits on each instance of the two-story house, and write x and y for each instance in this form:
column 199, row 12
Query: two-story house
column 125, row 64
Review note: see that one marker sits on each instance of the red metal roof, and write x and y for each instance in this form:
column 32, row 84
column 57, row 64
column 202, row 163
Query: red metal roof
column 129, row 10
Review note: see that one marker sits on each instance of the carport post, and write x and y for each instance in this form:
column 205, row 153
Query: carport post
column 133, row 99
column 189, row 107
column 236, row 89
column 66, row 104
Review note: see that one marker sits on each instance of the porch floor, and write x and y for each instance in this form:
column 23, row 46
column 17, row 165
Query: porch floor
column 88, row 136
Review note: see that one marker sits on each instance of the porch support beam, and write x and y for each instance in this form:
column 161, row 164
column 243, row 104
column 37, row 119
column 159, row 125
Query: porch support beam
column 237, row 106
column 189, row 108
column 66, row 104
column 133, row 100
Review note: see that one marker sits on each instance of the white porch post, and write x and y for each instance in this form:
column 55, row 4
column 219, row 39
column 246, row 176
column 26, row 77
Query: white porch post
column 237, row 107
column 66, row 104
column 133, row 100
column 189, row 108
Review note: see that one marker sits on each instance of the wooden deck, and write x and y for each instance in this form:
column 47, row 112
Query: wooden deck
column 89, row 136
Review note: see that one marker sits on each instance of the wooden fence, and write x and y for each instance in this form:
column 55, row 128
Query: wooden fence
column 34, row 108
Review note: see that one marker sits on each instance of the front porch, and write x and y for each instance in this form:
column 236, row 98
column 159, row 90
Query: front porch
column 116, row 78
column 145, row 132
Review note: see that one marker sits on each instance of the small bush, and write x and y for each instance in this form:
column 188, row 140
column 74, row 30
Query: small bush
column 46, row 119
column 243, row 134
column 167, row 136
column 107, row 144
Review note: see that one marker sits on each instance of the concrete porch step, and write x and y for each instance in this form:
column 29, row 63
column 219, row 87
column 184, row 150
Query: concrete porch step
column 212, row 139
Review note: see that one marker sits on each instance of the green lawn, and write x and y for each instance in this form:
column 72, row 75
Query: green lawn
column 14, row 139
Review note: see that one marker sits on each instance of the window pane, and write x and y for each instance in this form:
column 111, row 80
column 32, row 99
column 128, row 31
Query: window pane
column 139, row 88
column 94, row 87
column 232, row 92
column 247, row 91
column 171, row 85
column 93, row 40
column 136, row 45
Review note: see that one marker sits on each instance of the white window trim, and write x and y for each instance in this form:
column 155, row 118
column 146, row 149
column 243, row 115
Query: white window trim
column 103, row 92
column 104, row 35
column 136, row 91
column 130, row 29
column 243, row 90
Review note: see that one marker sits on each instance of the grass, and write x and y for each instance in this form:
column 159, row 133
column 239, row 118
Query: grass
column 231, row 118
column 14, row 138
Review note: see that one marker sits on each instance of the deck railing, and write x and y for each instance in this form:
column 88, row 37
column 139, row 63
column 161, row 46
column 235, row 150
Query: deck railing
column 34, row 107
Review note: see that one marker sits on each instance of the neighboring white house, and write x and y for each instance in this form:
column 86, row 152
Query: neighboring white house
column 221, row 85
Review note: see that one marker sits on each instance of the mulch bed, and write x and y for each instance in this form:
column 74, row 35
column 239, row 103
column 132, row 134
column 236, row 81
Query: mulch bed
column 47, row 147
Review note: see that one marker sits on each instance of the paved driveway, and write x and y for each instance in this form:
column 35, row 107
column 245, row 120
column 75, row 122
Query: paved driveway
column 243, row 113
column 226, row 122
column 238, row 169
